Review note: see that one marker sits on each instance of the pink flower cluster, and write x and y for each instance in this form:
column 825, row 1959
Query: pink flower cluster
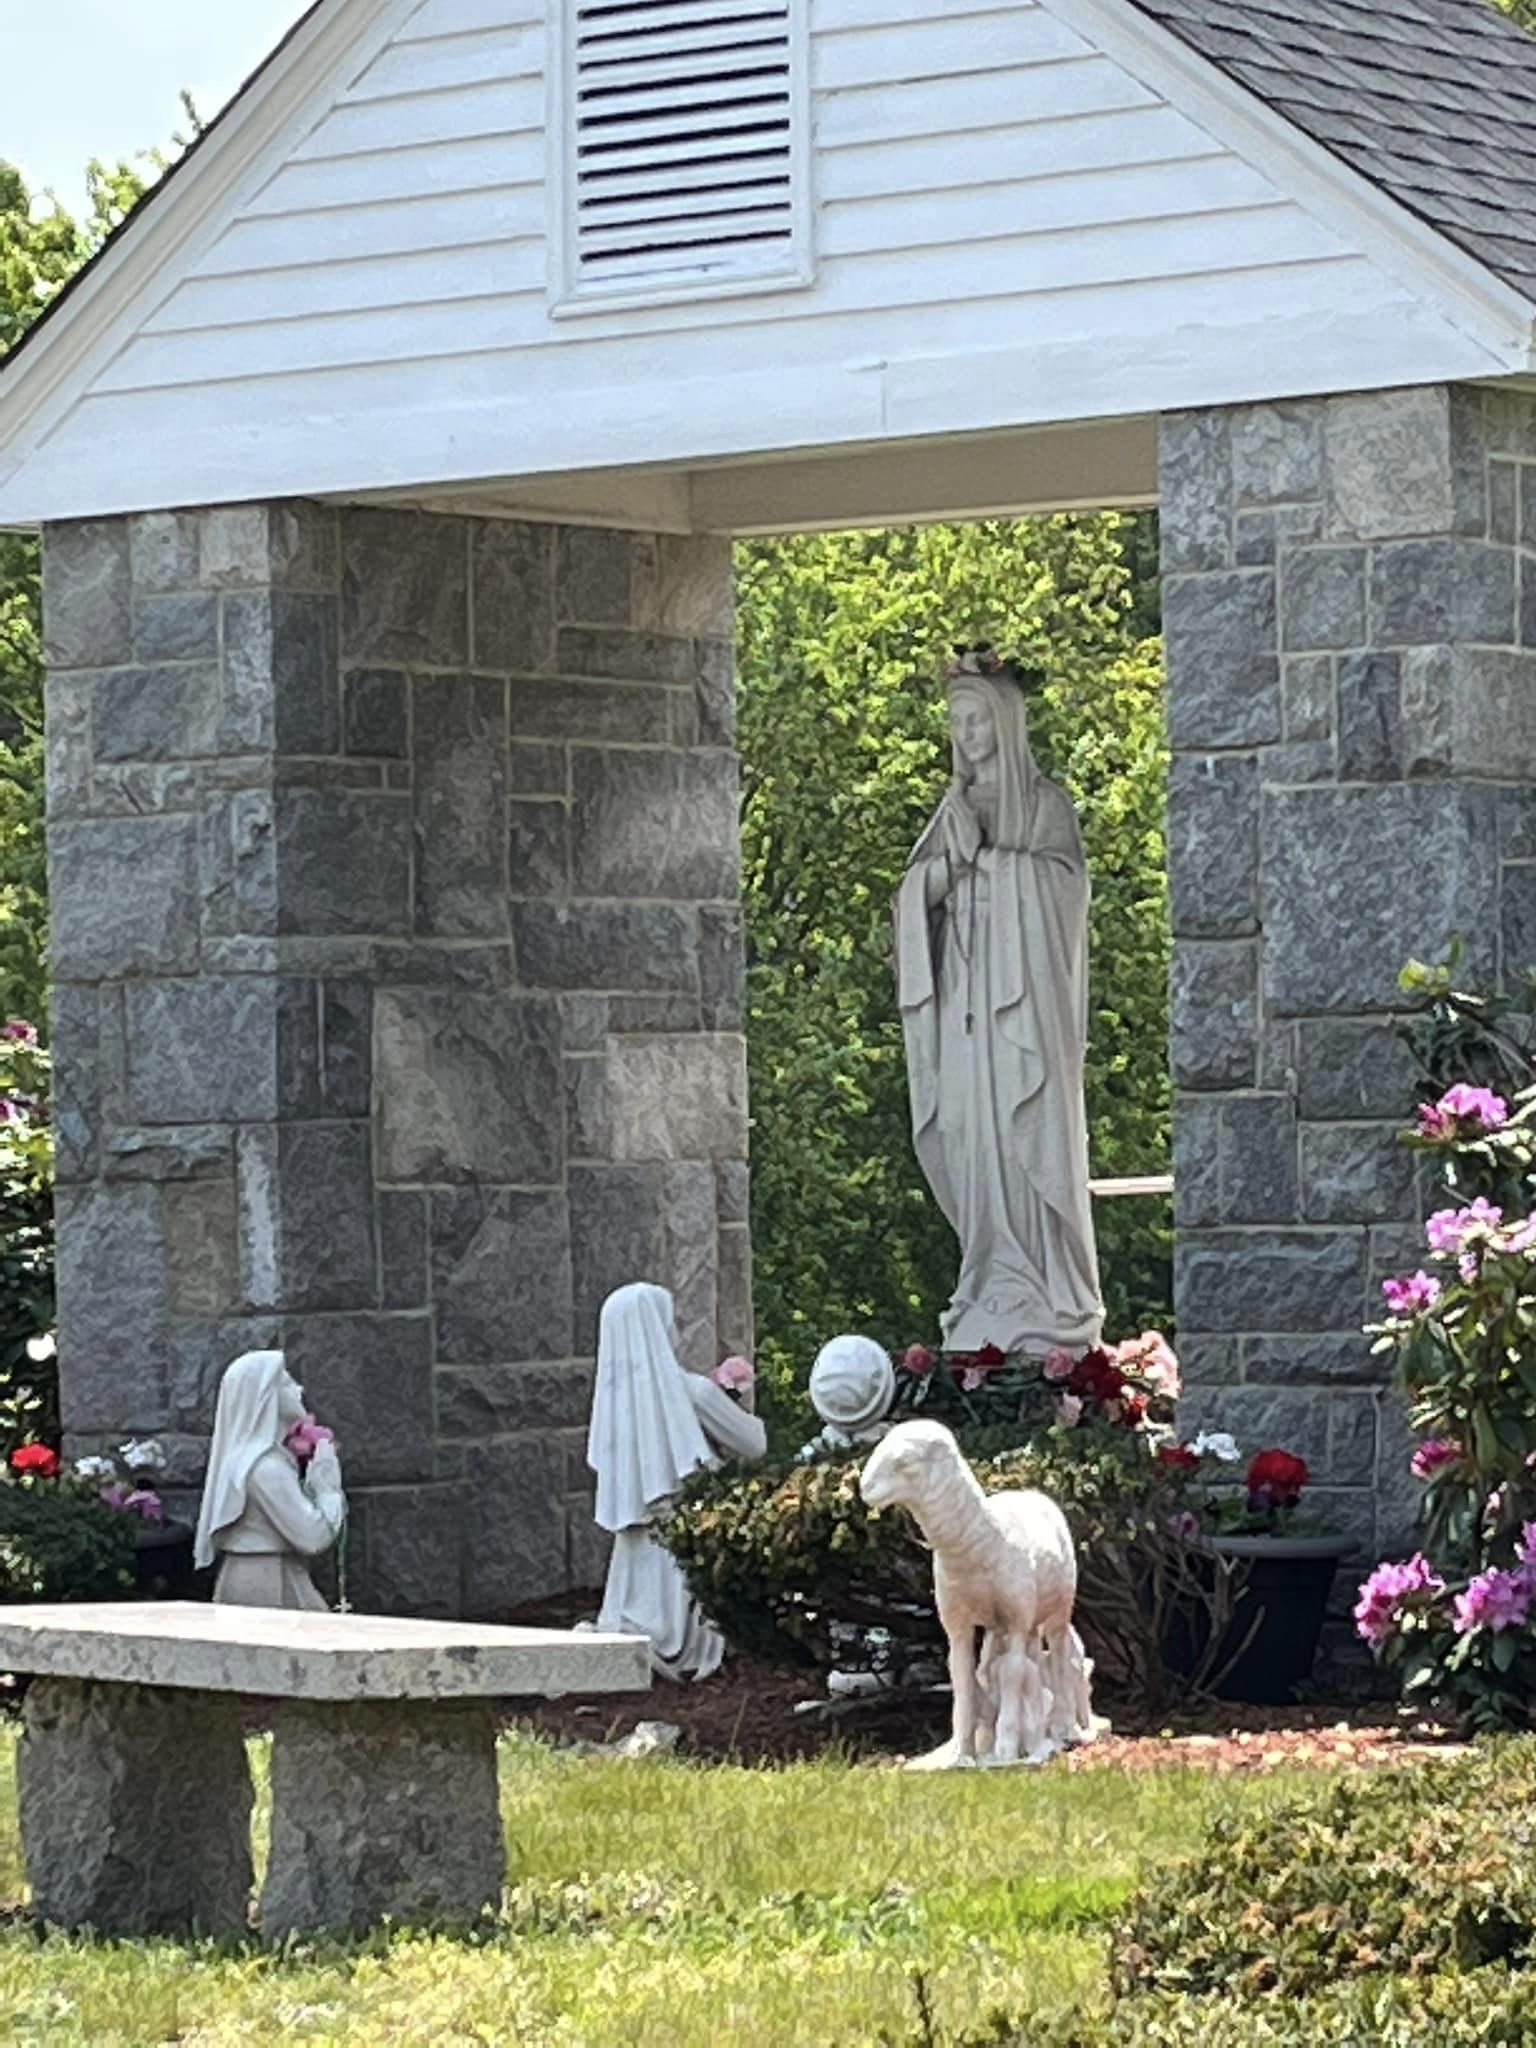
column 1434, row 1456
column 1451, row 1230
column 1409, row 1297
column 1389, row 1589
column 735, row 1374
column 1150, row 1357
column 1459, row 1107
column 306, row 1437
column 1497, row 1599
column 19, row 1033
column 1448, row 1229
column 134, row 1500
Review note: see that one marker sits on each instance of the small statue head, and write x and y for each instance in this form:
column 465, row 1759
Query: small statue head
column 904, row 1468
column 852, row 1383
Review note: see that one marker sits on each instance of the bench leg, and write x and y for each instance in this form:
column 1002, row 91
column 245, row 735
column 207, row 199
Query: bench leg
column 135, row 1806
column 382, row 1809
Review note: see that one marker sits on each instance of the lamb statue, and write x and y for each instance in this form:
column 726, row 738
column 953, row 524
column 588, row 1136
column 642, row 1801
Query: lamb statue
column 1005, row 1565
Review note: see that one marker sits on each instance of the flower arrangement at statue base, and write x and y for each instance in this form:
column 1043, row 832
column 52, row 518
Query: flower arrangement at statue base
column 1457, row 1619
column 789, row 1562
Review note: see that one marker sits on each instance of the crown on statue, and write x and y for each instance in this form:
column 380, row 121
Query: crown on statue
column 981, row 658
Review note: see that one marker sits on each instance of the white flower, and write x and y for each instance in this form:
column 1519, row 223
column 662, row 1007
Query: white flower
column 41, row 1349
column 144, row 1454
column 1216, row 1444
column 95, row 1468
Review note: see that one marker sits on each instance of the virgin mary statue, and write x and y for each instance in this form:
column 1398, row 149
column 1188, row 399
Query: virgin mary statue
column 992, row 979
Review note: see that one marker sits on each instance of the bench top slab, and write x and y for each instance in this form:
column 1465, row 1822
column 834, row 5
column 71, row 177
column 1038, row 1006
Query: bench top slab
column 277, row 1654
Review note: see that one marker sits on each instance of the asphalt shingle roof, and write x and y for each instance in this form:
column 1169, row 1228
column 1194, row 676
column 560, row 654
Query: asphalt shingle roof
column 1433, row 100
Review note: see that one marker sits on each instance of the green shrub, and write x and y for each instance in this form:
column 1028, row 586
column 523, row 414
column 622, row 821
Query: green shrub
column 794, row 1568
column 1405, row 1873
column 58, row 1542
column 1486, row 2009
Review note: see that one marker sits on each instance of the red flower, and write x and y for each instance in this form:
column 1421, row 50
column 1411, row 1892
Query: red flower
column 1275, row 1478
column 1096, row 1377
column 1180, row 1457
column 989, row 1358
column 918, row 1360
column 36, row 1458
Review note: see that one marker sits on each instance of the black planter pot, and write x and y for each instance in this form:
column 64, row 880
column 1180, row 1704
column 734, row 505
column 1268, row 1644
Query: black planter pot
column 1269, row 1647
column 162, row 1565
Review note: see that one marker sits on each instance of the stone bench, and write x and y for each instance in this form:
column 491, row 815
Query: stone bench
column 136, row 1796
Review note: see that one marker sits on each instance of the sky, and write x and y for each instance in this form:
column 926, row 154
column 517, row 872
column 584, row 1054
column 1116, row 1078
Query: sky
column 101, row 78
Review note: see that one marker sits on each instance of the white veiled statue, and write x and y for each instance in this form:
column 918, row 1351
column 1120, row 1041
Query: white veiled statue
column 653, row 1423
column 992, row 979
column 258, row 1518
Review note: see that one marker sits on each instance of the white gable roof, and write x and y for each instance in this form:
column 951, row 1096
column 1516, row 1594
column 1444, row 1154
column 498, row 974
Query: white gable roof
column 1021, row 212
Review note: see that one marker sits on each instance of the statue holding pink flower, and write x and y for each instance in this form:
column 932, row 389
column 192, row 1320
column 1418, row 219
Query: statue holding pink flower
column 273, row 1498
column 653, row 1424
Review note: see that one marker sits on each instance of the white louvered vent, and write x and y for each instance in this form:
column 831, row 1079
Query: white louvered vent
column 683, row 144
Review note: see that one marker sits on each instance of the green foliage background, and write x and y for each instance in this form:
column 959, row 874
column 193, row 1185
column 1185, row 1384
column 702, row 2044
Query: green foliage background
column 41, row 247
column 843, row 639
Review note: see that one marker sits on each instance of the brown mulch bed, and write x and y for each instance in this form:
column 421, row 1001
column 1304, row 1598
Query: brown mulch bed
column 746, row 1714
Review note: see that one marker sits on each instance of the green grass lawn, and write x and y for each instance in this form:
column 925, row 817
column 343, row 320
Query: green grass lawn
column 685, row 1905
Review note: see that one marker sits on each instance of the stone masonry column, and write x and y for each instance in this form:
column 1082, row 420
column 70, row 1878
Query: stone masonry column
column 398, row 997
column 1350, row 608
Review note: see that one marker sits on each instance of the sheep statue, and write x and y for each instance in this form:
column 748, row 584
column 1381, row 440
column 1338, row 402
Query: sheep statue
column 1004, row 1565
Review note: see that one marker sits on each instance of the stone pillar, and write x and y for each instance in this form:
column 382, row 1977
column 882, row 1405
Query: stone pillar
column 398, row 1007
column 1350, row 608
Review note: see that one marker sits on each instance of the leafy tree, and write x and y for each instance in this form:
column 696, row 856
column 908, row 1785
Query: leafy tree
column 41, row 248
column 845, row 750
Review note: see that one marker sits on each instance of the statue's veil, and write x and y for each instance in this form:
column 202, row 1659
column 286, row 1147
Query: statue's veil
column 644, row 1438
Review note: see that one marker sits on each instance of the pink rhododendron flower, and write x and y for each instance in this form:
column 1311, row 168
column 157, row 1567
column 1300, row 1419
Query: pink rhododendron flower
column 1434, row 1456
column 1151, row 1357
column 1448, row 1229
column 1526, row 1552
column 1387, row 1591
column 1071, row 1409
column 20, row 1033
column 1186, row 1525
column 1059, row 1365
column 1480, row 1106
column 1408, row 1297
column 918, row 1360
column 1434, row 1123
column 735, row 1374
column 10, row 1112
column 1496, row 1600
column 972, row 1377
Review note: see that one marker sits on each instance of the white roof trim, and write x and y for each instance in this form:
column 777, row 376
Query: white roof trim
column 298, row 85
column 1470, row 295
column 288, row 96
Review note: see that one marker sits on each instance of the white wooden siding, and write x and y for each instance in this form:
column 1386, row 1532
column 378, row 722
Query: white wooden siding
column 1010, row 227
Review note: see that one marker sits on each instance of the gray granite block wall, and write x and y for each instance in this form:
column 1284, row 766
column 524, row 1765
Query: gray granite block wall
column 398, row 1011
column 1350, row 602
